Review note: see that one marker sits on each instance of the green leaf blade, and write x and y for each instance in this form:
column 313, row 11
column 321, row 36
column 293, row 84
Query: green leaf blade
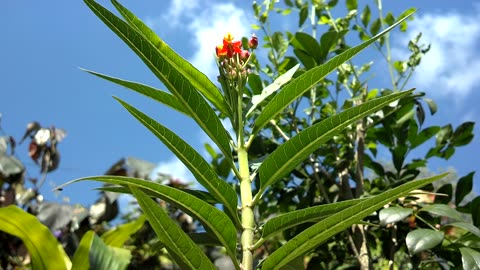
column 192, row 101
column 198, row 79
column 199, row 167
column 470, row 258
column 45, row 251
column 287, row 156
column 323, row 230
column 423, row 239
column 307, row 80
column 187, row 254
column 116, row 237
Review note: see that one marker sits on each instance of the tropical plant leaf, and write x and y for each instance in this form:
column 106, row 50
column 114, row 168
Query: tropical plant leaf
column 213, row 219
column 93, row 254
column 393, row 214
column 151, row 92
column 116, row 237
column 45, row 251
column 423, row 239
column 307, row 80
column 175, row 81
column 464, row 187
column 466, row 226
column 442, row 210
column 198, row 79
column 311, row 214
column 294, row 151
column 186, row 253
column 270, row 89
column 201, row 170
column 323, row 230
column 470, row 258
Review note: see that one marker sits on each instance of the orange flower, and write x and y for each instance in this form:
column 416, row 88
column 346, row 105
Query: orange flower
column 229, row 47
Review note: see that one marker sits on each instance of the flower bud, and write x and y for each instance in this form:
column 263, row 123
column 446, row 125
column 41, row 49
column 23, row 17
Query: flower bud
column 253, row 42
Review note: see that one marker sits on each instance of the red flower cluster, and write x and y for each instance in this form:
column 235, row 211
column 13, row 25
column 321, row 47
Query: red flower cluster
column 229, row 47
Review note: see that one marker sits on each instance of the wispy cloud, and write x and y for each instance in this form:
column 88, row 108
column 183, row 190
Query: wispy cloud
column 450, row 68
column 176, row 169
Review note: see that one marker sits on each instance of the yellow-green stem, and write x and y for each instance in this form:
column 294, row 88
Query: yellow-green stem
column 248, row 223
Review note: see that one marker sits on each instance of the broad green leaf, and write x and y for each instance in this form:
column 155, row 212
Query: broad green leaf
column 442, row 210
column 45, row 251
column 470, row 258
column 287, row 156
column 93, row 254
column 310, row 214
column 352, row 4
column 424, row 135
column 204, row 239
column 198, row 79
column 151, row 92
column 315, row 235
column 213, row 219
column 423, row 239
column 187, row 254
column 267, row 91
column 466, row 226
column 308, row 44
column 154, row 56
column 117, row 237
column 393, row 214
column 201, row 170
column 307, row 80
column 365, row 16
column 464, row 187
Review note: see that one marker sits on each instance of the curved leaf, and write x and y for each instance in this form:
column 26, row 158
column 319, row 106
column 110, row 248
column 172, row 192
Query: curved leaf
column 393, row 214
column 470, row 258
column 311, row 214
column 466, row 226
column 93, row 254
column 423, row 239
column 186, row 253
column 44, row 249
column 442, row 210
column 294, row 151
column 213, row 219
column 173, row 79
column 323, row 230
column 151, row 92
column 198, row 79
column 116, row 237
column 308, row 79
column 200, row 168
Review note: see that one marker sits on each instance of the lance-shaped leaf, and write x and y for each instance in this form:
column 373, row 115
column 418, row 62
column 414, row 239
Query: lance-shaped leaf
column 151, row 92
column 45, row 251
column 267, row 91
column 310, row 214
column 192, row 101
column 309, row 79
column 198, row 79
column 294, row 151
column 470, row 258
column 323, row 230
column 201, row 170
column 116, row 237
column 186, row 253
column 213, row 219
column 93, row 254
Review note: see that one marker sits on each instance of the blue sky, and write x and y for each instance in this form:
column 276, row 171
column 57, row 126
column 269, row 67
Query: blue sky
column 43, row 44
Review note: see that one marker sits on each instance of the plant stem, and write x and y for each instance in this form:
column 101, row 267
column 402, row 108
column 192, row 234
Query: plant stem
column 248, row 223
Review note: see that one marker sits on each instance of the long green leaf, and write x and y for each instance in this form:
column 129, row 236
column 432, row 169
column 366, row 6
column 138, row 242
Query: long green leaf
column 213, row 219
column 323, row 230
column 176, row 83
column 93, row 254
column 199, row 167
column 308, row 80
column 116, row 237
column 45, row 251
column 151, row 92
column 287, row 156
column 470, row 258
column 311, row 214
column 198, row 79
column 187, row 254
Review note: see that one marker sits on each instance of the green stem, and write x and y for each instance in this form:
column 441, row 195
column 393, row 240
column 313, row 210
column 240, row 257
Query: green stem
column 387, row 46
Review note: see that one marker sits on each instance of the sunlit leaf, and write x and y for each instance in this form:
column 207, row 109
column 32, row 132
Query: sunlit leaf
column 470, row 258
column 423, row 239
column 186, row 253
column 116, row 237
column 306, row 81
column 201, row 170
column 287, row 156
column 394, row 214
column 45, row 251
column 323, row 230
column 442, row 210
column 156, row 57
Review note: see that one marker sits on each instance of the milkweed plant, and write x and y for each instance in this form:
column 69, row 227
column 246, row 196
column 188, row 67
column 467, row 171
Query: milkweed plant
column 227, row 214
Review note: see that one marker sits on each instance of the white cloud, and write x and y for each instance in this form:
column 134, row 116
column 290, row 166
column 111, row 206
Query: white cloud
column 451, row 66
column 176, row 169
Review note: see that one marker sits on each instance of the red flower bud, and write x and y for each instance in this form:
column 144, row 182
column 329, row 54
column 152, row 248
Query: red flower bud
column 253, row 42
